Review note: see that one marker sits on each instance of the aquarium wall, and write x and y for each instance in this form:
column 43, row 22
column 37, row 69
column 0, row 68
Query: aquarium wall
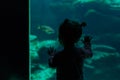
column 103, row 24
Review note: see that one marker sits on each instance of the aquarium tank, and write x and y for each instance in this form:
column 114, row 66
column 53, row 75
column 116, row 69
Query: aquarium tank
column 103, row 24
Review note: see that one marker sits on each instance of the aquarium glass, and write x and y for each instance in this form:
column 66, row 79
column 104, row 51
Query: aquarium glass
column 103, row 24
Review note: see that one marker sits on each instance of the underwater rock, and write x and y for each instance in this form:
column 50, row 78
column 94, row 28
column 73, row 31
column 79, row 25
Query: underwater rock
column 33, row 42
column 102, row 51
column 44, row 74
column 49, row 43
column 36, row 45
column 106, row 22
column 110, row 3
column 61, row 5
column 112, row 39
column 98, row 12
column 99, row 51
column 46, row 29
column 82, row 1
column 100, row 47
column 109, row 36
column 32, row 37
column 33, row 47
column 89, row 11
column 88, row 66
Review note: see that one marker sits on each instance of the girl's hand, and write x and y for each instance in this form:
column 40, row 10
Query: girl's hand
column 87, row 42
column 87, row 39
column 51, row 51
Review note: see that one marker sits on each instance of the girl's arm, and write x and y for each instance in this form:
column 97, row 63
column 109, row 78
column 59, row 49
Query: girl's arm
column 87, row 47
column 51, row 52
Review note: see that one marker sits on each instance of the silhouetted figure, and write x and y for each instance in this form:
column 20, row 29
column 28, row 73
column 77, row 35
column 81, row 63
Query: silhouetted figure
column 69, row 61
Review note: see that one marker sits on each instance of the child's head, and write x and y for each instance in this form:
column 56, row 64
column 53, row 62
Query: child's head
column 70, row 32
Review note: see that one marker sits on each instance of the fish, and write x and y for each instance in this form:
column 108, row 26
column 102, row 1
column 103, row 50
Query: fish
column 46, row 29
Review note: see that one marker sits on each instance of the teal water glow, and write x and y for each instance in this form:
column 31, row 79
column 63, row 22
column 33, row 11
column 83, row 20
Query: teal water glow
column 103, row 23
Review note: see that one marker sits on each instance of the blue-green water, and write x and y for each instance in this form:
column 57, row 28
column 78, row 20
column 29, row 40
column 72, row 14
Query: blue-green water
column 103, row 24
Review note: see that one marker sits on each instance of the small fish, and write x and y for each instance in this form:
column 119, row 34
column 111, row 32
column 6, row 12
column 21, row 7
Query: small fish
column 46, row 29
